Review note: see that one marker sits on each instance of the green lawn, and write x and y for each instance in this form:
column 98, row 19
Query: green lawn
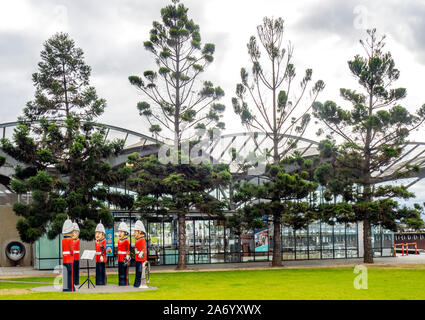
column 319, row 283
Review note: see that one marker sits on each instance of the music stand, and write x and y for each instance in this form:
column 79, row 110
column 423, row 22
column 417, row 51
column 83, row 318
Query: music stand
column 88, row 255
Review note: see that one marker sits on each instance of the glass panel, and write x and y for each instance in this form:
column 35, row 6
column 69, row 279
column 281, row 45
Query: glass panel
column 352, row 253
column 247, row 246
column 388, row 243
column 288, row 243
column 202, row 235
column 301, row 244
column 233, row 248
column 155, row 242
column 327, row 241
column 351, row 230
column 190, row 245
column 50, row 248
column 376, row 241
column 314, row 241
column 170, row 243
column 49, row 252
column 339, row 240
column 217, row 241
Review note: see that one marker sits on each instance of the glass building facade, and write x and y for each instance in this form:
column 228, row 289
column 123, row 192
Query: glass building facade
column 210, row 241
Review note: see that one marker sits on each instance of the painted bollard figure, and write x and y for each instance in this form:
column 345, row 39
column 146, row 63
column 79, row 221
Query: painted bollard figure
column 100, row 245
column 123, row 254
column 67, row 256
column 140, row 254
column 76, row 246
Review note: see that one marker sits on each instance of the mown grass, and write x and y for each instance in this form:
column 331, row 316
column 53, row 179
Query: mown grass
column 389, row 282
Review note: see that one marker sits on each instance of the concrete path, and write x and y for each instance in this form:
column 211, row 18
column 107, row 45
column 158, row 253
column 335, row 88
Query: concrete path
column 22, row 272
column 110, row 288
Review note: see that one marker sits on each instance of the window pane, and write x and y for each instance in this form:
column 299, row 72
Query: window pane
column 339, row 240
column 248, row 246
column 155, row 242
column 202, row 235
column 327, row 241
column 301, row 244
column 217, row 241
column 314, row 240
column 190, row 245
column 288, row 243
column 234, row 246
column 170, row 242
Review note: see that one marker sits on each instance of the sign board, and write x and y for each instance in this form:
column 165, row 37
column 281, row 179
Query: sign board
column 88, row 255
column 261, row 238
column 109, row 242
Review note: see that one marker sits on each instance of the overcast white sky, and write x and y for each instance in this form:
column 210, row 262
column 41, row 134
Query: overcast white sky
column 325, row 35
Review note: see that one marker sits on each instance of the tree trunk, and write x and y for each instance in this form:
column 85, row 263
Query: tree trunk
column 368, row 197
column 181, row 263
column 277, row 252
column 367, row 241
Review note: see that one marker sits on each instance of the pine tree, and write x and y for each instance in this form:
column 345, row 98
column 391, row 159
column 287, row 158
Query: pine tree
column 264, row 101
column 178, row 107
column 63, row 149
column 178, row 101
column 371, row 134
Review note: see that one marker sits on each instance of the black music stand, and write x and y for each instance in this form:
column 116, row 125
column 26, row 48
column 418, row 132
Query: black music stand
column 88, row 255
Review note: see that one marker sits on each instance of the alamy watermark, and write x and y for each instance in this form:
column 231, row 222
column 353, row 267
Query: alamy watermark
column 360, row 281
column 361, row 19
column 209, row 142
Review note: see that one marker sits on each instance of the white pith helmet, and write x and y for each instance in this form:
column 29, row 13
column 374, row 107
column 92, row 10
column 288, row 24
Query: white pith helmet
column 76, row 227
column 123, row 227
column 139, row 226
column 100, row 228
column 67, row 227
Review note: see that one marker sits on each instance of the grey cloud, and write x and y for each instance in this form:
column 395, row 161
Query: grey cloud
column 401, row 19
column 19, row 55
column 330, row 17
column 407, row 24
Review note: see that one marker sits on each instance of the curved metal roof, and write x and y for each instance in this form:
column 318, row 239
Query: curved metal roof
column 243, row 143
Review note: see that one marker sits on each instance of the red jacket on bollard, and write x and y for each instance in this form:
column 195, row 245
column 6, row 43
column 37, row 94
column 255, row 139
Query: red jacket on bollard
column 76, row 246
column 100, row 250
column 140, row 246
column 123, row 249
column 67, row 250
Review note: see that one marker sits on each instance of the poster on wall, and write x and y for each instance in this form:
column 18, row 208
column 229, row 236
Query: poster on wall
column 109, row 242
column 261, row 238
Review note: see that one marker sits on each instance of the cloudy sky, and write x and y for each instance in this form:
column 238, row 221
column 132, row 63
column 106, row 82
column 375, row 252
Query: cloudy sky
column 325, row 36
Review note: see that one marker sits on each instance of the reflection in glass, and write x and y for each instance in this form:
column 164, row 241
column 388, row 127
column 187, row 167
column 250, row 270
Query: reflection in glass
column 217, row 241
column 190, row 242
column 288, row 243
column 247, row 246
column 170, row 242
column 314, row 241
column 327, row 241
column 202, row 236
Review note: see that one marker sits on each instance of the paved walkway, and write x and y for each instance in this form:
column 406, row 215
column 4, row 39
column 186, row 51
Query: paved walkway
column 20, row 272
column 110, row 288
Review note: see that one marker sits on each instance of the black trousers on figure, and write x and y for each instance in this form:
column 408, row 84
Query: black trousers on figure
column 101, row 273
column 76, row 272
column 122, row 274
column 138, row 279
column 67, row 278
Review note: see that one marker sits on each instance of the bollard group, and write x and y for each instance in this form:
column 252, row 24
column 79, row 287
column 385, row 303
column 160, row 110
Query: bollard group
column 403, row 245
